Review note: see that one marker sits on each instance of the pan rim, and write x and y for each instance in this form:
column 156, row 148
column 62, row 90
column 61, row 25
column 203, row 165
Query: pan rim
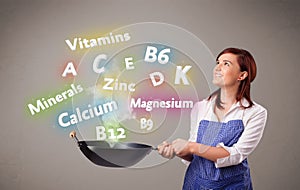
column 123, row 145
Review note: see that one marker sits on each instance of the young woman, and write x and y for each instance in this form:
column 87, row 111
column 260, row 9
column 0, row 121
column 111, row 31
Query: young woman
column 225, row 128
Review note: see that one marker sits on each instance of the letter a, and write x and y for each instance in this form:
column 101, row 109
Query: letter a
column 69, row 69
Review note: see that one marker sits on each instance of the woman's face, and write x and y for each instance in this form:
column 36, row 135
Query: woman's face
column 227, row 71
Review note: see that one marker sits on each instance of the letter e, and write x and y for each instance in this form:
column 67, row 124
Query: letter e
column 129, row 63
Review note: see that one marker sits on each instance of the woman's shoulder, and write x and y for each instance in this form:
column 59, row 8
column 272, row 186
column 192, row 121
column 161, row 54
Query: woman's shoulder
column 256, row 109
column 203, row 103
column 201, row 107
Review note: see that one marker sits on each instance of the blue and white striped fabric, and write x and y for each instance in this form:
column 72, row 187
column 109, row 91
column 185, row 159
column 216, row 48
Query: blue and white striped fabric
column 203, row 174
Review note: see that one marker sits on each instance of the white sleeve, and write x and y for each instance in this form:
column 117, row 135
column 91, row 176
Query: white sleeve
column 194, row 122
column 196, row 113
column 247, row 142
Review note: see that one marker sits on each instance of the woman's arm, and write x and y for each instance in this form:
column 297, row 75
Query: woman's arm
column 188, row 157
column 223, row 155
column 185, row 150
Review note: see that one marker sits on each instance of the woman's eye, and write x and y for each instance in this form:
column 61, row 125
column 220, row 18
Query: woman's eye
column 217, row 63
column 226, row 63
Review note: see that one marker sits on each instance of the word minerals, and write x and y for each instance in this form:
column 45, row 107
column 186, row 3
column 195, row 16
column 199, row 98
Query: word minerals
column 43, row 104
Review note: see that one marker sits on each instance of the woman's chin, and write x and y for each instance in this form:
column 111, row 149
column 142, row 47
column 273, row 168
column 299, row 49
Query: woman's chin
column 218, row 83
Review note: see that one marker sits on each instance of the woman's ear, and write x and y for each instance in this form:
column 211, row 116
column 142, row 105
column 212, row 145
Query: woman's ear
column 243, row 75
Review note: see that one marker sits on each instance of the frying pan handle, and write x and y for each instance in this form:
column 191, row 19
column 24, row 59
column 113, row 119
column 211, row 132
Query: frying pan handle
column 154, row 148
column 72, row 135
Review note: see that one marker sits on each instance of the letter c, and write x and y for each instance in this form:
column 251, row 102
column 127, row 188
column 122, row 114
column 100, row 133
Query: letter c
column 96, row 63
column 60, row 120
column 131, row 87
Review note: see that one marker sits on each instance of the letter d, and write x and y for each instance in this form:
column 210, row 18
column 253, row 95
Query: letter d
column 154, row 76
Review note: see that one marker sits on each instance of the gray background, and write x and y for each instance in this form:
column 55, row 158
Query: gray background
column 36, row 156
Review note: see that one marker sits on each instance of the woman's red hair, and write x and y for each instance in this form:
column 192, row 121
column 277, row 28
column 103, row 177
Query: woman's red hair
column 246, row 63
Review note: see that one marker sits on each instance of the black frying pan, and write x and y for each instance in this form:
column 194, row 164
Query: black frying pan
column 115, row 155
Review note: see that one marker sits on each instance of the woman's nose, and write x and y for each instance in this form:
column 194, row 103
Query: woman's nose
column 218, row 67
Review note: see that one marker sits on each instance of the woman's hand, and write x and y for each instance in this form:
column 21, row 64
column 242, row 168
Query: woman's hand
column 186, row 149
column 166, row 150
column 181, row 147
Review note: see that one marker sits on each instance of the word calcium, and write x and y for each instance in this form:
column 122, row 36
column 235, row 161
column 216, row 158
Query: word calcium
column 65, row 120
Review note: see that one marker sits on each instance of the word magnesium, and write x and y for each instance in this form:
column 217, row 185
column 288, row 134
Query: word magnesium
column 148, row 105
